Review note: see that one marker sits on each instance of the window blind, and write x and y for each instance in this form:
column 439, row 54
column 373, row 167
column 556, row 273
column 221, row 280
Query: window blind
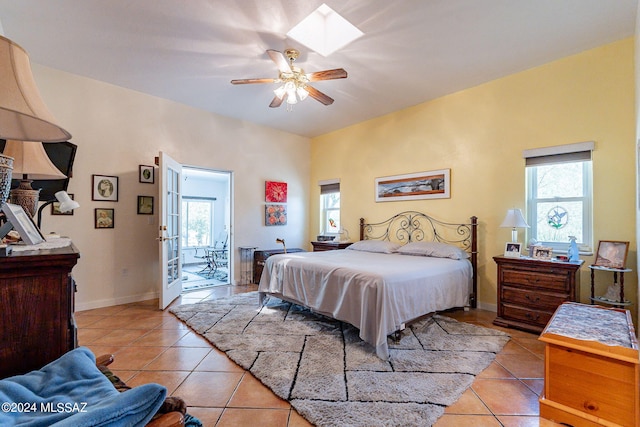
column 580, row 151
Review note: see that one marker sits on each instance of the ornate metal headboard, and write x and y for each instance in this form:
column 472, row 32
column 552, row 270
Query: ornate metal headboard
column 413, row 226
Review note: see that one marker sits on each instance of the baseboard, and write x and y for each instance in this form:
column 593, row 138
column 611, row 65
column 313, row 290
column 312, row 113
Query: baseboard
column 115, row 301
column 488, row 307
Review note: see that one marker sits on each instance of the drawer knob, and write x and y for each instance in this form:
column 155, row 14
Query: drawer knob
column 536, row 299
column 532, row 317
column 591, row 406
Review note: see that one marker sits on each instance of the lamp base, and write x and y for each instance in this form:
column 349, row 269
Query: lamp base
column 26, row 197
column 6, row 167
column 514, row 235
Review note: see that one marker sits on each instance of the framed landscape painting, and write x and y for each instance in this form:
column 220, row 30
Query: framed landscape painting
column 414, row 186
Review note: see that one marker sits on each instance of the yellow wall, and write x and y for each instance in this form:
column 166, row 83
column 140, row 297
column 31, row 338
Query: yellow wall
column 480, row 133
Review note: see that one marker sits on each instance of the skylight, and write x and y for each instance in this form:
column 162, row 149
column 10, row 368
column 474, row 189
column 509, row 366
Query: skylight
column 324, row 31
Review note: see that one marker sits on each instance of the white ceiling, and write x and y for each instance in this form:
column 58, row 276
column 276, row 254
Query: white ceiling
column 412, row 50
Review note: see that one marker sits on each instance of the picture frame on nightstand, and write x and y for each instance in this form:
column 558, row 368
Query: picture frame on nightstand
column 542, row 253
column 512, row 249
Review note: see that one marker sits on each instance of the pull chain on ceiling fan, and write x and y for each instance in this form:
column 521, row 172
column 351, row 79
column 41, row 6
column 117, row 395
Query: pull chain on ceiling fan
column 294, row 81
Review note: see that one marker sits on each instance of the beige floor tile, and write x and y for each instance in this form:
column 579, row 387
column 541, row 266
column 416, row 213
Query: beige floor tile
column 169, row 379
column 208, row 389
column 449, row 420
column 217, row 361
column 191, row 339
column 87, row 336
column 121, row 337
column 296, row 420
column 522, row 365
column 469, row 403
column 251, row 393
column 207, row 416
column 506, row 397
column 521, row 421
column 135, row 357
column 495, row 370
column 236, row 417
column 161, row 337
column 178, row 359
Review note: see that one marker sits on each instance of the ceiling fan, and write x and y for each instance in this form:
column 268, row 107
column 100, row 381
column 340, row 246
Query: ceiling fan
column 294, row 81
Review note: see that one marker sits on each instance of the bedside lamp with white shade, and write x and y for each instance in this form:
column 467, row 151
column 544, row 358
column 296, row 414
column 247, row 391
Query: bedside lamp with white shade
column 514, row 220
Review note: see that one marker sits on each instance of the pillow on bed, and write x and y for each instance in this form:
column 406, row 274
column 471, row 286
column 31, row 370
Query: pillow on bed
column 433, row 249
column 380, row 246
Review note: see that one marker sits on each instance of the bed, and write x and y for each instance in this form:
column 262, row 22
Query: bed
column 403, row 268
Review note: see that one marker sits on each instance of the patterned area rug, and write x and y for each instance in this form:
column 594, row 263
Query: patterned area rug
column 333, row 378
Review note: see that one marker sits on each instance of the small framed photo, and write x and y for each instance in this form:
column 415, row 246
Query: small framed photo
column 55, row 208
column 104, row 218
column 105, row 188
column 145, row 205
column 542, row 252
column 23, row 224
column 512, row 249
column 146, row 174
column 612, row 254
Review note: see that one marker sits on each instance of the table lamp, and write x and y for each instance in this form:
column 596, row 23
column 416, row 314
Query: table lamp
column 514, row 220
column 31, row 161
column 66, row 204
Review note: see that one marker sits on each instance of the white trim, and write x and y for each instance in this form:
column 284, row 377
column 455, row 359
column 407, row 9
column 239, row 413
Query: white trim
column 329, row 181
column 559, row 149
column 108, row 302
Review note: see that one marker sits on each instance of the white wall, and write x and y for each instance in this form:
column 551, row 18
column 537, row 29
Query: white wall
column 116, row 130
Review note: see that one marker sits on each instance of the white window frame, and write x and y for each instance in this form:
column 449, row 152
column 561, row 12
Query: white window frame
column 211, row 201
column 324, row 211
column 549, row 155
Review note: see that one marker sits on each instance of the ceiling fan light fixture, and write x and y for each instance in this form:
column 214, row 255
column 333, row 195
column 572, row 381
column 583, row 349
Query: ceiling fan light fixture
column 302, row 93
column 280, row 91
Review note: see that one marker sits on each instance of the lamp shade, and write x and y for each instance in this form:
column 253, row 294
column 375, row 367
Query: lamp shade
column 66, row 202
column 23, row 114
column 30, row 159
column 514, row 219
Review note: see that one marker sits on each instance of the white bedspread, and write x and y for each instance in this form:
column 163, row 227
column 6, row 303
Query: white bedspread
column 375, row 292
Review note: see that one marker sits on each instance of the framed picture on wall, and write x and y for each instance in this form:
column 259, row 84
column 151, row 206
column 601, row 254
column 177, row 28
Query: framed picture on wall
column 146, row 175
column 104, row 218
column 105, row 188
column 275, row 192
column 55, row 208
column 275, row 215
column 414, row 186
column 145, row 205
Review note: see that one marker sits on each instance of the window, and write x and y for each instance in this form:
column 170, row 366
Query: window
column 197, row 222
column 330, row 208
column 559, row 195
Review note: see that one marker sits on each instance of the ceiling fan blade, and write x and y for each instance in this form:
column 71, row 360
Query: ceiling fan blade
column 280, row 60
column 319, row 96
column 250, row 81
column 276, row 102
column 338, row 73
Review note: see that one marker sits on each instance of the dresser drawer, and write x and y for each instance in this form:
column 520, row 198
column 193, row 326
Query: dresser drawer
column 526, row 315
column 546, row 279
column 531, row 298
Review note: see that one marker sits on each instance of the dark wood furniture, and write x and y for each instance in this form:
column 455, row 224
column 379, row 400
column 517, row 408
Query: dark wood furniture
column 328, row 246
column 260, row 256
column 36, row 308
column 530, row 290
column 619, row 301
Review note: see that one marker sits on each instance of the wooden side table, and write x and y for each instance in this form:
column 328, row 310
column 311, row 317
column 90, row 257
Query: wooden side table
column 592, row 369
column 619, row 301
column 329, row 246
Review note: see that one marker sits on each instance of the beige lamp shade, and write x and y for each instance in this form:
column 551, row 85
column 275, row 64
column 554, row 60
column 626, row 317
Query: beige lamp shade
column 514, row 220
column 30, row 159
column 23, row 114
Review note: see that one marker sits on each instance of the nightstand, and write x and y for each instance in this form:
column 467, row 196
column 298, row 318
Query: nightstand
column 530, row 290
column 329, row 246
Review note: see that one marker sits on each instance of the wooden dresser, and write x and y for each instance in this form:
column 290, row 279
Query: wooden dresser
column 530, row 290
column 36, row 308
column 260, row 256
column 329, row 246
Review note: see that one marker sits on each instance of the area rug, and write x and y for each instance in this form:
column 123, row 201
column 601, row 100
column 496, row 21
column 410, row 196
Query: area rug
column 333, row 378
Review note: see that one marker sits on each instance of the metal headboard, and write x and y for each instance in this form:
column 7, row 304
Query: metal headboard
column 413, row 226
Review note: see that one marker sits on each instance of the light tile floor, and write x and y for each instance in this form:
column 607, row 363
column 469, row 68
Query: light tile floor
column 151, row 345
